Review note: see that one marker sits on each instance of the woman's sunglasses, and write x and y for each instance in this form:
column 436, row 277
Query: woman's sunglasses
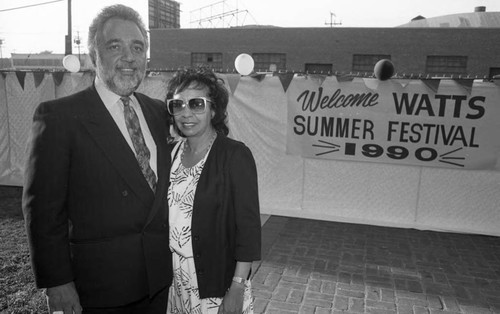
column 196, row 105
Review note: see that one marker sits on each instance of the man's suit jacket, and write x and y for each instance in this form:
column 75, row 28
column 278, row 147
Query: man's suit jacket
column 91, row 216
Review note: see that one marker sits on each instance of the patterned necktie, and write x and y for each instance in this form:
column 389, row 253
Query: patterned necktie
column 141, row 150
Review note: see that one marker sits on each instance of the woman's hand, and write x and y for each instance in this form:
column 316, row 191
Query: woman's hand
column 232, row 303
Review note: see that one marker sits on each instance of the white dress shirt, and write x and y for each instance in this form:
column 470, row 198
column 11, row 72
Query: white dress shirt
column 115, row 107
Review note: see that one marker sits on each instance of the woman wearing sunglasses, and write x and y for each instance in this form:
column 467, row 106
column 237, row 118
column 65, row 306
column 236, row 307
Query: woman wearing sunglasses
column 214, row 217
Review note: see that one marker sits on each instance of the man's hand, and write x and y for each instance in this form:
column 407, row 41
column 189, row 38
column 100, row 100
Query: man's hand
column 63, row 299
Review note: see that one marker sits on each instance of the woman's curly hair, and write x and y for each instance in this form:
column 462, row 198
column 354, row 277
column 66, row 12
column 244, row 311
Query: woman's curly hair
column 203, row 77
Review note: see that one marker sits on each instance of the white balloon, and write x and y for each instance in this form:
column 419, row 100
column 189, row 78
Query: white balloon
column 244, row 64
column 71, row 63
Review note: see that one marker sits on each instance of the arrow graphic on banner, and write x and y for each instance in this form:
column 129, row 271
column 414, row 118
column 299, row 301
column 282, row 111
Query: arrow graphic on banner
column 446, row 158
column 327, row 145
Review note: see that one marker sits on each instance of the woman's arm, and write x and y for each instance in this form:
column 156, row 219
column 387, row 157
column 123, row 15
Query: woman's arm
column 233, row 300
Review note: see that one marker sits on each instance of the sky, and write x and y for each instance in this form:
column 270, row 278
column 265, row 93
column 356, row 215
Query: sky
column 38, row 28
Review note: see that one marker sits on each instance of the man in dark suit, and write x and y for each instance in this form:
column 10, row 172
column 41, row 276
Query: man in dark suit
column 95, row 183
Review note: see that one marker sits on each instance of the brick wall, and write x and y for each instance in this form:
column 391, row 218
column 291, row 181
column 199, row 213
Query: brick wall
column 408, row 47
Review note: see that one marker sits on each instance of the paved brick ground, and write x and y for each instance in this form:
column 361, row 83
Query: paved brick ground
column 312, row 266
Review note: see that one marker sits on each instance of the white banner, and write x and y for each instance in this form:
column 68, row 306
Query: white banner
column 436, row 123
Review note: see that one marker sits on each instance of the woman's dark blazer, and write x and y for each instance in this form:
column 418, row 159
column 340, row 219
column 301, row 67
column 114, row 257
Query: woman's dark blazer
column 90, row 214
column 226, row 218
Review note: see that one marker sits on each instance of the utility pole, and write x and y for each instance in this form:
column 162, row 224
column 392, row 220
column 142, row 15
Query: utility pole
column 78, row 42
column 68, row 41
column 1, row 53
column 331, row 20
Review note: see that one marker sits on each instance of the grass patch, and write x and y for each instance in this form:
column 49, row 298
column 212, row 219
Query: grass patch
column 18, row 293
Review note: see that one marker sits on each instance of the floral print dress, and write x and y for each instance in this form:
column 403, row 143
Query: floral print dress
column 183, row 295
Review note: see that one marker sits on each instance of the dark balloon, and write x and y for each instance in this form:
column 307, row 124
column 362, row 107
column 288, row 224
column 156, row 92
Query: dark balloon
column 384, row 69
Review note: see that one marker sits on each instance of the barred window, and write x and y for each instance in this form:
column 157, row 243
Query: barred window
column 437, row 65
column 494, row 72
column 208, row 59
column 269, row 61
column 366, row 63
column 318, row 68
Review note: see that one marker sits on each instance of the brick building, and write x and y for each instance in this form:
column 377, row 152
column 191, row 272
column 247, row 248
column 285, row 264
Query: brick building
column 451, row 49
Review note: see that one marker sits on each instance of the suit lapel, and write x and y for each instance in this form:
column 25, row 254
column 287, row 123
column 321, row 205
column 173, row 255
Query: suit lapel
column 108, row 137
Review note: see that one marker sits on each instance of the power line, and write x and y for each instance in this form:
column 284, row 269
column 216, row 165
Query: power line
column 28, row 6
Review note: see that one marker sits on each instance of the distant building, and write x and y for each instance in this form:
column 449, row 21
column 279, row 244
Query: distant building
column 435, row 51
column 164, row 14
column 43, row 61
column 5, row 63
column 478, row 18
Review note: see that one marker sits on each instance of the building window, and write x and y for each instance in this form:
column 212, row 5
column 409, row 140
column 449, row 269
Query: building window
column 366, row 63
column 269, row 61
column 494, row 72
column 318, row 68
column 211, row 60
column 438, row 65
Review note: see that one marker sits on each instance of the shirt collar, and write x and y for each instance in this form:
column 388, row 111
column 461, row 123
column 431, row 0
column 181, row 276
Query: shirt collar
column 108, row 97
